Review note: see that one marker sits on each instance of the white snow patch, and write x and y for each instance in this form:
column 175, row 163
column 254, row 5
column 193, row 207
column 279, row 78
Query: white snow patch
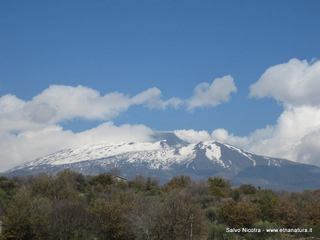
column 246, row 154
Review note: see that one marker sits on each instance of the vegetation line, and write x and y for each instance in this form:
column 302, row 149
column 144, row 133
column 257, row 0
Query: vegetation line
column 73, row 206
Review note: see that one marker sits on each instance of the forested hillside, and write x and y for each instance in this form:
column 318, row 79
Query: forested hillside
column 73, row 206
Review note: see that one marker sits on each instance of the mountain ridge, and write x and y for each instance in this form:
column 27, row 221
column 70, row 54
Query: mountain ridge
column 168, row 156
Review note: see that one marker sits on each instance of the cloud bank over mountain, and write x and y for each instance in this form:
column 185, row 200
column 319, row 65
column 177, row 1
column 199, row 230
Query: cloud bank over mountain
column 296, row 134
column 31, row 144
column 30, row 129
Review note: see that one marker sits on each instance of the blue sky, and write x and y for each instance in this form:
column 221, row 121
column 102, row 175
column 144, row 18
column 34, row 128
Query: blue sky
column 129, row 46
column 125, row 53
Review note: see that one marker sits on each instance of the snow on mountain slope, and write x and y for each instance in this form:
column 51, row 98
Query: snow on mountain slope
column 169, row 156
column 157, row 155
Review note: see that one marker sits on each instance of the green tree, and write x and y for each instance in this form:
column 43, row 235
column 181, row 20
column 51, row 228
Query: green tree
column 70, row 220
column 247, row 189
column 109, row 216
column 40, row 217
column 179, row 218
column 238, row 214
column 16, row 222
column 178, row 182
column 102, row 179
column 287, row 214
column 267, row 202
column 219, row 187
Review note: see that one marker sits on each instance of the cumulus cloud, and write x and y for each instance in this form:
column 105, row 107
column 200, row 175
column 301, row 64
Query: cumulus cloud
column 31, row 144
column 211, row 95
column 30, row 129
column 296, row 134
column 222, row 135
column 192, row 136
column 59, row 103
column 14, row 115
column 67, row 102
column 295, row 82
column 152, row 99
column 309, row 148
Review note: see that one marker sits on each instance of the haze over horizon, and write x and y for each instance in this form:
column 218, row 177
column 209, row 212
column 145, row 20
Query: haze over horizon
column 76, row 73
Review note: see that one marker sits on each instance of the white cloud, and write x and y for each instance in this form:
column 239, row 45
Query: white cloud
column 29, row 145
column 211, row 95
column 59, row 103
column 296, row 134
column 82, row 102
column 295, row 82
column 192, row 136
column 152, row 99
column 309, row 148
column 30, row 129
column 14, row 115
column 222, row 135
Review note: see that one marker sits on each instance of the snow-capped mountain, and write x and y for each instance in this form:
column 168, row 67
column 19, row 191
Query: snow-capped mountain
column 169, row 156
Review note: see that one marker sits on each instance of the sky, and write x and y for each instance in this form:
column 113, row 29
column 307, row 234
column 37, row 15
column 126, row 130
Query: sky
column 77, row 72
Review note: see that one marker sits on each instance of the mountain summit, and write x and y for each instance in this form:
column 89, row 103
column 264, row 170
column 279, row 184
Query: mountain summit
column 170, row 156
